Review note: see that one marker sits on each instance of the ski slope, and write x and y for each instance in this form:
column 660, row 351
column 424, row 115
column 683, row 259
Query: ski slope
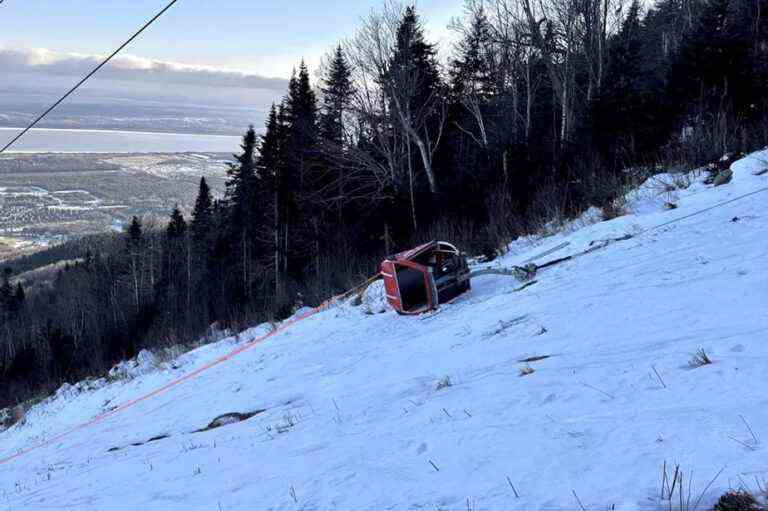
column 379, row 412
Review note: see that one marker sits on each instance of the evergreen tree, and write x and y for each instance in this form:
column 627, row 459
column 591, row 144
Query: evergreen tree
column 177, row 226
column 337, row 94
column 415, row 92
column 301, row 109
column 134, row 242
column 300, row 174
column 243, row 217
column 270, row 149
column 241, row 184
column 415, row 61
column 471, row 71
column 19, row 298
column 134, row 234
column 173, row 293
column 202, row 212
column 202, row 240
column 6, row 291
column 621, row 109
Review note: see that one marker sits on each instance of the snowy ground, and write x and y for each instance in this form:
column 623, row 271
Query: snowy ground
column 377, row 411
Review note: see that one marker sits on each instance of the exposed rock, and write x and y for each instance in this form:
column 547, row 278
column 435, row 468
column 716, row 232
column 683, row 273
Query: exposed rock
column 374, row 298
column 5, row 419
column 525, row 273
column 18, row 414
column 229, row 418
column 144, row 363
column 723, row 177
column 11, row 416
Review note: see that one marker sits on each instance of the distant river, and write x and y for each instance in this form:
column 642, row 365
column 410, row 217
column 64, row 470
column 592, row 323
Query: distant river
column 102, row 141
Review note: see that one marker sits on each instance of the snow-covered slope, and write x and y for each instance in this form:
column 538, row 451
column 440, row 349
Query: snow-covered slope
column 369, row 411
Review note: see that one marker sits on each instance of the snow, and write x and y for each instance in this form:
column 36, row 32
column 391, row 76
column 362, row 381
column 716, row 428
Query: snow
column 374, row 299
column 358, row 414
column 144, row 363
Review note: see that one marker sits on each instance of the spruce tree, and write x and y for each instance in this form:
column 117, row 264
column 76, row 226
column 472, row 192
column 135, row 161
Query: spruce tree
column 243, row 217
column 337, row 95
column 298, row 177
column 19, row 297
column 134, row 234
column 201, row 213
column 134, row 243
column 6, row 291
column 620, row 108
column 301, row 109
column 241, row 183
column 177, row 225
column 471, row 72
column 414, row 89
column 415, row 60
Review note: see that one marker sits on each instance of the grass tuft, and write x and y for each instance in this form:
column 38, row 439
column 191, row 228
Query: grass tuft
column 700, row 359
column 444, row 382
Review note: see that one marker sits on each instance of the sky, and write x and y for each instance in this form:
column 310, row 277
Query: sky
column 201, row 52
column 264, row 38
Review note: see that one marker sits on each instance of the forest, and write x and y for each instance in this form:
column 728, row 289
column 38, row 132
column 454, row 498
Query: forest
column 538, row 111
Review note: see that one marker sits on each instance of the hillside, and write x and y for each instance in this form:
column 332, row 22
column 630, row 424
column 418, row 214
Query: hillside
column 377, row 411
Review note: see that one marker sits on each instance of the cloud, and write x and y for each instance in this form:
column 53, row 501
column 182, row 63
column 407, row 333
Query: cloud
column 130, row 68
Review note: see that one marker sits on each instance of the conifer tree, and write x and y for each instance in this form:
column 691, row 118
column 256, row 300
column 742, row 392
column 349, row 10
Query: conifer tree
column 202, row 212
column 177, row 226
column 471, row 71
column 241, row 184
column 271, row 167
column 337, row 95
column 299, row 215
column 414, row 90
column 134, row 242
column 301, row 108
column 172, row 288
column 621, row 106
column 243, row 215
column 19, row 298
column 134, row 233
column 6, row 291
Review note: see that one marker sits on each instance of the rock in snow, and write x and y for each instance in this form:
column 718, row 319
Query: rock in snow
column 144, row 363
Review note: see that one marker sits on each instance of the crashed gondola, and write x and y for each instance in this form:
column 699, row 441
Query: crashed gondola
column 421, row 279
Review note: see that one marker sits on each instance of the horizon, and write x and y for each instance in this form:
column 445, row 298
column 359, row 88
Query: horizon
column 238, row 60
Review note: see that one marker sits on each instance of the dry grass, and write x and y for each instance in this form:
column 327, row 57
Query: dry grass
column 675, row 495
column 525, row 371
column 615, row 208
column 700, row 359
column 444, row 382
column 738, row 500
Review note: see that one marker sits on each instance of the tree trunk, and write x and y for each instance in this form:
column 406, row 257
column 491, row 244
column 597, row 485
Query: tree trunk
column 410, row 186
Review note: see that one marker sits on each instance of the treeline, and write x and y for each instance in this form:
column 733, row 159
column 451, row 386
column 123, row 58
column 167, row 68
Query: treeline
column 539, row 111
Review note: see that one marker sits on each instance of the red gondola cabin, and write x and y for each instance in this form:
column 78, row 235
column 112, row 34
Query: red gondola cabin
column 420, row 279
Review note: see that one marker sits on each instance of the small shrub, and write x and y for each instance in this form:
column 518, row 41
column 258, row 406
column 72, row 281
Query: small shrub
column 525, row 371
column 700, row 359
column 489, row 251
column 670, row 205
column 614, row 209
column 444, row 382
column 737, row 501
